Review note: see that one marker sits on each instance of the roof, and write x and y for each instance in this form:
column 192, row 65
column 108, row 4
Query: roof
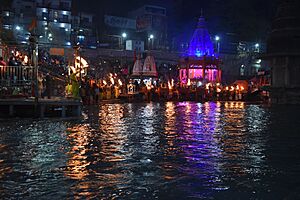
column 201, row 43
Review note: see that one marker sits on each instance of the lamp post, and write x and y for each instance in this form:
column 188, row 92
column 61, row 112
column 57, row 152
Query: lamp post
column 124, row 36
column 217, row 39
column 257, row 47
column 150, row 41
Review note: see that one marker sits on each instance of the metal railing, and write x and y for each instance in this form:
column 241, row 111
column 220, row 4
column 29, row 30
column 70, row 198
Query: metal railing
column 16, row 76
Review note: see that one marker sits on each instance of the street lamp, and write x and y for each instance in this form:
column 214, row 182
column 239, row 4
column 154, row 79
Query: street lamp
column 217, row 39
column 150, row 41
column 257, row 47
column 18, row 28
column 123, row 36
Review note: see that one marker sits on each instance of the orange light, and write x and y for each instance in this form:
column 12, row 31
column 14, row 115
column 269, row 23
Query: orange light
column 112, row 81
column 207, row 86
column 189, row 82
column 120, row 82
column 169, row 85
column 26, row 59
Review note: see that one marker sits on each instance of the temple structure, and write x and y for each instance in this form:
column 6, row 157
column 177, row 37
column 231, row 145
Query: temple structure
column 200, row 65
column 283, row 53
column 146, row 70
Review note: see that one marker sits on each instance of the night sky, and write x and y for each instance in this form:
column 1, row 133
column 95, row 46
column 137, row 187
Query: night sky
column 246, row 19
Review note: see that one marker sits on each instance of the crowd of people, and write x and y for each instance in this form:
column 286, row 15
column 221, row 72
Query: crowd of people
column 94, row 91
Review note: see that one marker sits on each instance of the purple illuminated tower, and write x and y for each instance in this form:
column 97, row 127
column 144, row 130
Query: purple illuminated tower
column 200, row 65
column 201, row 43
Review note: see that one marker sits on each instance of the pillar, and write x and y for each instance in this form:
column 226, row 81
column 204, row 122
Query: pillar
column 11, row 110
column 63, row 111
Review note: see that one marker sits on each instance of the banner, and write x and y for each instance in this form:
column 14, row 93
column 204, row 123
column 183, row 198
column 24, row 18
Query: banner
column 120, row 22
column 57, row 51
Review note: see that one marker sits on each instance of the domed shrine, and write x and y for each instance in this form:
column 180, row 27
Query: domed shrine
column 200, row 65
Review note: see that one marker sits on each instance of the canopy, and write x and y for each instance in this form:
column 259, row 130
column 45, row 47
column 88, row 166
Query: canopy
column 149, row 68
column 137, row 68
column 146, row 70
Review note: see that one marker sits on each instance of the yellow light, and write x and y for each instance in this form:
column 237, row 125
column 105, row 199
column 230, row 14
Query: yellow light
column 120, row 82
column 207, row 86
column 231, row 88
column 104, row 82
column 218, row 84
column 149, row 86
column 237, row 87
column 112, row 81
column 219, row 90
column 242, row 88
column 73, row 69
column 189, row 82
column 169, row 85
column 81, row 62
column 26, row 59
column 227, row 88
column 172, row 82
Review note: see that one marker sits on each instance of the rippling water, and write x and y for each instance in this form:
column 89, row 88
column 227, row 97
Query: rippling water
column 157, row 150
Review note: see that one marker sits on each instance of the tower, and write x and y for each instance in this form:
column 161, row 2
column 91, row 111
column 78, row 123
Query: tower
column 201, row 43
column 283, row 53
column 200, row 65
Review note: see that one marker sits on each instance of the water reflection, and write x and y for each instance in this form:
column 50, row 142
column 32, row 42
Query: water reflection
column 143, row 151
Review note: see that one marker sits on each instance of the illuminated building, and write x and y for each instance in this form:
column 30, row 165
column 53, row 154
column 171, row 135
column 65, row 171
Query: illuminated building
column 200, row 64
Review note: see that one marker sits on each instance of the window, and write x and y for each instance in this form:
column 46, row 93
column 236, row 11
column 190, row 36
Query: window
column 55, row 14
column 65, row 17
column 45, row 15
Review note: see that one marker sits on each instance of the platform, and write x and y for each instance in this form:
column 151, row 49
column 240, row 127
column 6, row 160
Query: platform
column 29, row 107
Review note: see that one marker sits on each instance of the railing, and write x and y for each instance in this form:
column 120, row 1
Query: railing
column 16, row 76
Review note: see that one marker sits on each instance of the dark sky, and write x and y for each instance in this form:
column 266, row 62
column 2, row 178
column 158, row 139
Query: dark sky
column 248, row 19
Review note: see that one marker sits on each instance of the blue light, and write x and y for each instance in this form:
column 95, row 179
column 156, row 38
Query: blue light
column 198, row 53
column 201, row 43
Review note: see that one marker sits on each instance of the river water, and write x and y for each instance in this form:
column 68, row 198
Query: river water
column 186, row 150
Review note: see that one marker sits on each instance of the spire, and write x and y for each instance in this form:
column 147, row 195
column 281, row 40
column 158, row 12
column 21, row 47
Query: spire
column 201, row 21
column 201, row 43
